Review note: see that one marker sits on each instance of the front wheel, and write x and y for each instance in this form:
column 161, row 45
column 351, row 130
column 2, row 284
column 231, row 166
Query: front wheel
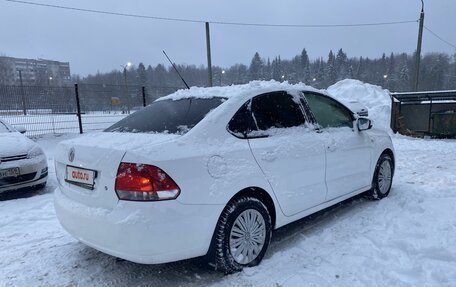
column 383, row 178
column 242, row 235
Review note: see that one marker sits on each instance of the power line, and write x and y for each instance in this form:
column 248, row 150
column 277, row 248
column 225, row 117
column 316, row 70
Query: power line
column 105, row 12
column 313, row 25
column 212, row 22
column 440, row 38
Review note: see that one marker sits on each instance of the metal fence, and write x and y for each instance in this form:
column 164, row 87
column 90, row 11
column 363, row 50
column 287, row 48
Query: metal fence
column 73, row 109
column 431, row 113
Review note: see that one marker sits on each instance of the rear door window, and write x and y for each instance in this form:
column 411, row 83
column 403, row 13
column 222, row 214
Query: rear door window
column 276, row 110
column 264, row 112
column 167, row 116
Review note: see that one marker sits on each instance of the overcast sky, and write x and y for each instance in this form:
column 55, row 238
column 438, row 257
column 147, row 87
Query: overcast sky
column 94, row 42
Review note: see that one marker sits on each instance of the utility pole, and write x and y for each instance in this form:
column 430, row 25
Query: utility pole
column 126, row 84
column 209, row 62
column 24, row 110
column 418, row 48
column 126, row 90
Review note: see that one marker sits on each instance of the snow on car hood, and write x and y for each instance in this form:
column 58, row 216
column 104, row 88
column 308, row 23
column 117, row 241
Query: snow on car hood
column 14, row 143
column 120, row 141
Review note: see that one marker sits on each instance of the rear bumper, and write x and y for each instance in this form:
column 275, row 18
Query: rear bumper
column 142, row 232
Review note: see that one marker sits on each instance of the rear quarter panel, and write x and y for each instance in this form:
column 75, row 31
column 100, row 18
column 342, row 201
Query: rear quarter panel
column 208, row 170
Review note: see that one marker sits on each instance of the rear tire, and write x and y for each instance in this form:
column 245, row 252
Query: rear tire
column 242, row 235
column 383, row 178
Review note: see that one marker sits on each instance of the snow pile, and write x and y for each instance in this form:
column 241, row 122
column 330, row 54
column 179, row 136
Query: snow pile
column 376, row 99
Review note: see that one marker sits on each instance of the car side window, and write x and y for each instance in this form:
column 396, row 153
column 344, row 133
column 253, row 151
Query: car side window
column 263, row 112
column 276, row 110
column 242, row 123
column 328, row 112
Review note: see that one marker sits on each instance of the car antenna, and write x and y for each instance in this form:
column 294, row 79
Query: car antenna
column 174, row 66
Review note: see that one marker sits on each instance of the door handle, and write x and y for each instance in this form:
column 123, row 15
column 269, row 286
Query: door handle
column 332, row 146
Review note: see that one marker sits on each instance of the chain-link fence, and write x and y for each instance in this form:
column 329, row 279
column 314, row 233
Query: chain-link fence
column 51, row 110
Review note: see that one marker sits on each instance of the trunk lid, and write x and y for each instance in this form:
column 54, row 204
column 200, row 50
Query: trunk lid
column 102, row 154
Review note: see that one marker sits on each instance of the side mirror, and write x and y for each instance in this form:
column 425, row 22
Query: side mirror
column 364, row 124
column 21, row 129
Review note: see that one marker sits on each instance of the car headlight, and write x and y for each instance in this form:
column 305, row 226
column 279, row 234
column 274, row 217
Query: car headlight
column 35, row 152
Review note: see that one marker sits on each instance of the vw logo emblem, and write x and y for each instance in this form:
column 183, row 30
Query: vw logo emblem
column 71, row 154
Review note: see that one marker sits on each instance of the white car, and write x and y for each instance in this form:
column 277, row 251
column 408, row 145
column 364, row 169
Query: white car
column 213, row 171
column 22, row 162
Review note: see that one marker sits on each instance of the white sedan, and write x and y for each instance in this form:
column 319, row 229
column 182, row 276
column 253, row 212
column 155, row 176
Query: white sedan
column 213, row 171
column 22, row 162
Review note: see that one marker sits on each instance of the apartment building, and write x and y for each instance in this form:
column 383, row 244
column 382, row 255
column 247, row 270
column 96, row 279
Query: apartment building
column 39, row 72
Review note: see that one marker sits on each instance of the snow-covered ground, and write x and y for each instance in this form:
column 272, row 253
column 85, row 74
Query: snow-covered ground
column 406, row 239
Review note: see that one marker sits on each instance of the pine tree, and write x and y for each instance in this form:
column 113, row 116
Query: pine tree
column 434, row 70
column 268, row 70
column 391, row 73
column 305, row 67
column 256, row 67
column 350, row 73
column 381, row 70
column 161, row 76
column 452, row 76
column 404, row 75
column 150, row 74
column 294, row 69
column 341, row 65
column 242, row 74
column 320, row 73
column 359, row 69
column 330, row 75
column 276, row 69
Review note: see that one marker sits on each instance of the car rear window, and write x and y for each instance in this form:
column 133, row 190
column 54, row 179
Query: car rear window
column 167, row 116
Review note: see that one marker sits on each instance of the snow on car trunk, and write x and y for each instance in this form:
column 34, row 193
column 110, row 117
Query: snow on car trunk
column 86, row 167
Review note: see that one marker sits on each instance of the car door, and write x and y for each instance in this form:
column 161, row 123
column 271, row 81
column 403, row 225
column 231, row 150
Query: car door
column 292, row 160
column 348, row 151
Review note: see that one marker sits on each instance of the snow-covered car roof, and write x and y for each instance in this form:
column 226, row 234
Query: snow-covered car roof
column 241, row 92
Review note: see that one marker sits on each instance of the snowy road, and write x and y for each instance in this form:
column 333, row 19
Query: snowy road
column 406, row 239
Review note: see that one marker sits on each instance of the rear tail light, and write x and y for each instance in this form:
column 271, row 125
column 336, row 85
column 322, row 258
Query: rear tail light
column 142, row 182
